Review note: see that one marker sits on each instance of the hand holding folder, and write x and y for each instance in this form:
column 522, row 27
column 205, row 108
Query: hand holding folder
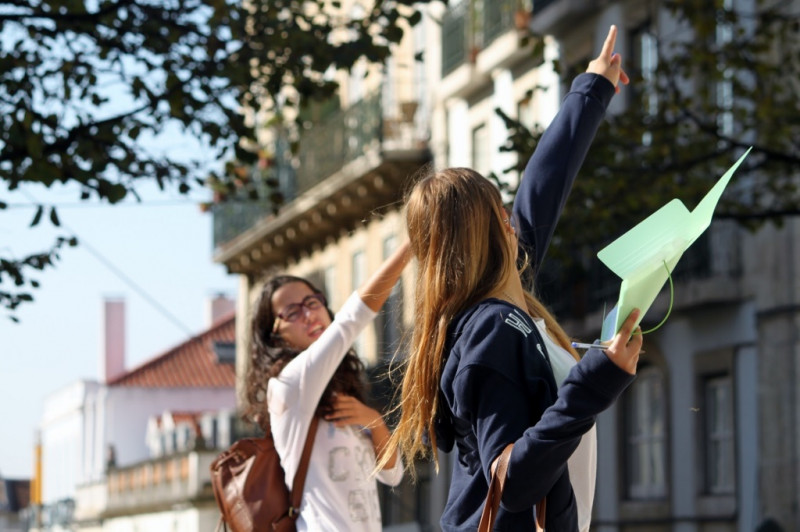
column 645, row 256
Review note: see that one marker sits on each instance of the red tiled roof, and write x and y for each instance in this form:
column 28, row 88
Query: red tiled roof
column 190, row 364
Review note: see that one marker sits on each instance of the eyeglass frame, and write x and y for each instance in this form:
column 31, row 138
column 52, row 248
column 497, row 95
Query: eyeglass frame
column 316, row 296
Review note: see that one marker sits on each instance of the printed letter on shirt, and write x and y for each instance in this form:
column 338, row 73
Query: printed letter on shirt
column 517, row 320
column 337, row 464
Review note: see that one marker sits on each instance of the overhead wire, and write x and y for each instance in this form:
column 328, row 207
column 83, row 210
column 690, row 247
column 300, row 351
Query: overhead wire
column 120, row 274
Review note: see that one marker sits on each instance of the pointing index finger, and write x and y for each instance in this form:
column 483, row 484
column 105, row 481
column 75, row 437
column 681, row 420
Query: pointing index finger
column 611, row 41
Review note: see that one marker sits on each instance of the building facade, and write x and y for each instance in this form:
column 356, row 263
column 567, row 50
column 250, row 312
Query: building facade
column 706, row 437
column 90, row 430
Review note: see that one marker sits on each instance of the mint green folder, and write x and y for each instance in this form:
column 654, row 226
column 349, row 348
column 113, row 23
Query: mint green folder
column 645, row 256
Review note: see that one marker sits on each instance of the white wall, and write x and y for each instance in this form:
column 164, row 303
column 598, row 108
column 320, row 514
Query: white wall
column 128, row 410
column 83, row 419
column 185, row 520
column 64, row 460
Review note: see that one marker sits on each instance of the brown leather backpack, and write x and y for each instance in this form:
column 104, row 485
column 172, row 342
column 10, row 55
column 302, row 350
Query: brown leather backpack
column 250, row 485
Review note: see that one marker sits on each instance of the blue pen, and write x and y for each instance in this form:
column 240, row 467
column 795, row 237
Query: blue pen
column 578, row 345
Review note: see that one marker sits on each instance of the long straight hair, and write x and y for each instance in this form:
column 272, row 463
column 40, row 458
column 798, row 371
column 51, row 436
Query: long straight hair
column 458, row 233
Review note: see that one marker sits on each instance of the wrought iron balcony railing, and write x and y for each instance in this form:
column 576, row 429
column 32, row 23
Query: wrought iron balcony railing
column 454, row 38
column 473, row 25
column 325, row 149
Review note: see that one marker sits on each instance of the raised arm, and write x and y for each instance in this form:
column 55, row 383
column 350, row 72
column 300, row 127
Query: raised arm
column 377, row 288
column 552, row 168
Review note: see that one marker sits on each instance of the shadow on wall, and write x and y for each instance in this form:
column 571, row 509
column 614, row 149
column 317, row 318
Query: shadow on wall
column 769, row 525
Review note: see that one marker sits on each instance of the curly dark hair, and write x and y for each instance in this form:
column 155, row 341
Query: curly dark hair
column 268, row 356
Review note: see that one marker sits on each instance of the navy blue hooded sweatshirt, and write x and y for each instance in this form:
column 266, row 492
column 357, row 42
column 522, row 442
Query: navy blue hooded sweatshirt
column 497, row 386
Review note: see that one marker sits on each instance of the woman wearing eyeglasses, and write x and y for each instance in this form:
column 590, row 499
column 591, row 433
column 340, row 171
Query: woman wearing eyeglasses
column 302, row 366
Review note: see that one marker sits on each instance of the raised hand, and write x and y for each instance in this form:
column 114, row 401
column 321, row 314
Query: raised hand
column 625, row 347
column 609, row 63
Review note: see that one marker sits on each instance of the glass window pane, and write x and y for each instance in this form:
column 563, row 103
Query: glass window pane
column 481, row 158
column 719, row 435
column 646, row 436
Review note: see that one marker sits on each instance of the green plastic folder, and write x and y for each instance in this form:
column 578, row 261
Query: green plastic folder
column 645, row 256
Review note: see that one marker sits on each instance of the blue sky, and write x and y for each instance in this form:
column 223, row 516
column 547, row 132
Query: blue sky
column 163, row 245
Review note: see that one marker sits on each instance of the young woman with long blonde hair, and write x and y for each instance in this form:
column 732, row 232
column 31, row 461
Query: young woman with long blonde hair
column 488, row 364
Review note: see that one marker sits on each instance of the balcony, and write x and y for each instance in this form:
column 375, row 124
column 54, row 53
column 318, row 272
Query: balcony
column 233, row 216
column 159, row 483
column 472, row 26
column 554, row 17
column 353, row 162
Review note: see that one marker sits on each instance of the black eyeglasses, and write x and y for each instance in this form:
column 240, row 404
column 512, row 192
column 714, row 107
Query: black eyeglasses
column 294, row 311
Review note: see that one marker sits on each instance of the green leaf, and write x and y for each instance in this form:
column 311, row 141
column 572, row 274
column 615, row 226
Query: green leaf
column 38, row 216
column 116, row 192
column 33, row 143
column 54, row 217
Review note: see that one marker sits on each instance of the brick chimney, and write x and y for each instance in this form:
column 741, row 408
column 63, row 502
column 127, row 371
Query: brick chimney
column 112, row 359
column 219, row 306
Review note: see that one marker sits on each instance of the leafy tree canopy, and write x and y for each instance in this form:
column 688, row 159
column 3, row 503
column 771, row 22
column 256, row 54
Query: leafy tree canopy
column 84, row 82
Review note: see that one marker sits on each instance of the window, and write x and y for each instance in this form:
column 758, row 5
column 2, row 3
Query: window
column 390, row 320
column 724, row 88
column 646, row 438
column 481, row 148
column 357, row 279
column 720, row 451
column 329, row 282
column 215, row 440
column 225, row 352
column 526, row 115
column 644, row 49
column 420, row 80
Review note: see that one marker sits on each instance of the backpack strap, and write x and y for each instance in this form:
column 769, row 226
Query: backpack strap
column 302, row 469
column 498, row 481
